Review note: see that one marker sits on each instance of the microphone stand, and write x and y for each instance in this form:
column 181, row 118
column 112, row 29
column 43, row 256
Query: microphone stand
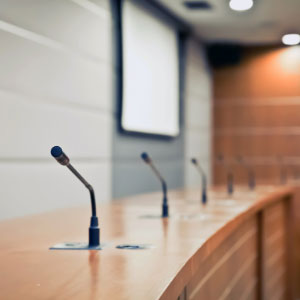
column 230, row 177
column 165, row 206
column 94, row 231
column 204, row 181
column 251, row 175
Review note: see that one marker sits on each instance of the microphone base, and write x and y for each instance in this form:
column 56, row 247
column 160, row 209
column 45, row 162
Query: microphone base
column 165, row 211
column 94, row 233
column 230, row 189
column 252, row 185
column 230, row 184
column 204, row 198
column 94, row 240
column 76, row 246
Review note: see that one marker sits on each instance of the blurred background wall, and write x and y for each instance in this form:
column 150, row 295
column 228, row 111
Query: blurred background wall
column 55, row 89
column 58, row 87
column 256, row 113
column 198, row 113
column 172, row 156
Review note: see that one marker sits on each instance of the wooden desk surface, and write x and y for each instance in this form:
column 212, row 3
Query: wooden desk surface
column 30, row 271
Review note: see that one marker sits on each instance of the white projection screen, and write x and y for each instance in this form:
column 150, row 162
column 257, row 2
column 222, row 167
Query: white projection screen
column 150, row 84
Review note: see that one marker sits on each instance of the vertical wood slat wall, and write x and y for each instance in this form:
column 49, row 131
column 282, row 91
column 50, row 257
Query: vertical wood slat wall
column 256, row 113
column 251, row 263
column 275, row 252
column 230, row 271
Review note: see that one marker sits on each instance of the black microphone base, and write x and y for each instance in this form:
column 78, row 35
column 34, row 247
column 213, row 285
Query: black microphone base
column 94, row 232
column 94, row 239
column 76, row 246
column 230, row 189
column 230, row 184
column 94, row 236
column 204, row 198
column 165, row 211
column 252, row 184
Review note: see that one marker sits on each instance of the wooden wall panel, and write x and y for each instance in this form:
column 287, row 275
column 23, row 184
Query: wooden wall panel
column 227, row 272
column 256, row 111
column 264, row 72
column 295, row 240
column 275, row 252
column 252, row 263
column 267, row 147
column 263, row 174
column 256, row 114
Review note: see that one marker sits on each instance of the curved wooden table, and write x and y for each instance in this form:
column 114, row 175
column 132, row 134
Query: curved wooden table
column 232, row 249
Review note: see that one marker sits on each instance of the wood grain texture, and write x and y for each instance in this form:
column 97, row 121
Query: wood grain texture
column 294, row 241
column 231, row 266
column 256, row 109
column 275, row 251
column 182, row 243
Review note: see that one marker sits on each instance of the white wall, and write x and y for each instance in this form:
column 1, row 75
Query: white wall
column 57, row 78
column 56, row 71
column 198, row 113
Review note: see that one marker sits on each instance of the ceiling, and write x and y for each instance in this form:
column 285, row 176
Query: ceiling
column 265, row 23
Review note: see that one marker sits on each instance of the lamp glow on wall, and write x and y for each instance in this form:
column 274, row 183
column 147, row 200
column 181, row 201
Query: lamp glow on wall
column 291, row 39
column 289, row 62
column 240, row 5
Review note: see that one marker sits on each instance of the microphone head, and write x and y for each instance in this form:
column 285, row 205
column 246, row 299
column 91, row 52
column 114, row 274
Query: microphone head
column 194, row 161
column 146, row 158
column 56, row 151
column 60, row 156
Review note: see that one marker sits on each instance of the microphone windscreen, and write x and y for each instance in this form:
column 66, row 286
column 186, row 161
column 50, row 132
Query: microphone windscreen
column 56, row 151
column 194, row 161
column 60, row 156
column 145, row 157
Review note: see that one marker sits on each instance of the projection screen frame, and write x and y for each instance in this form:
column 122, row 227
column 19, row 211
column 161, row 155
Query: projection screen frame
column 182, row 30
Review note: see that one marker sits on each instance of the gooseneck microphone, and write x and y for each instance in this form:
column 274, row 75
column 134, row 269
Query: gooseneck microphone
column 165, row 208
column 94, row 231
column 204, row 180
column 230, row 178
column 251, row 175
